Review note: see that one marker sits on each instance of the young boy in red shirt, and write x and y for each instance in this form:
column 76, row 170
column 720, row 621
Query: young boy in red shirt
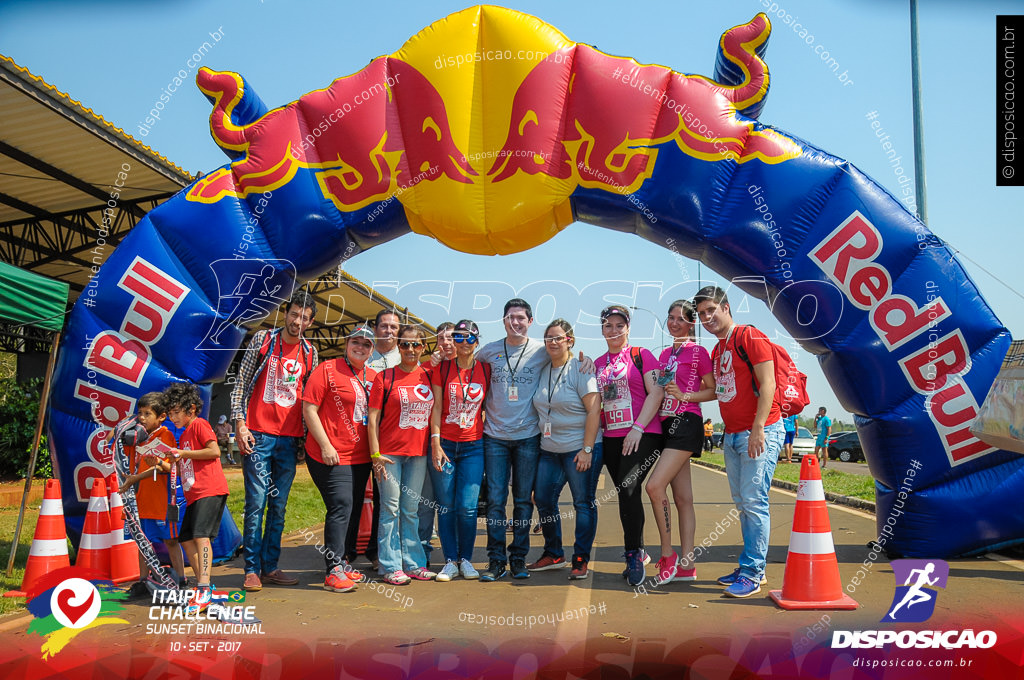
column 152, row 493
column 202, row 478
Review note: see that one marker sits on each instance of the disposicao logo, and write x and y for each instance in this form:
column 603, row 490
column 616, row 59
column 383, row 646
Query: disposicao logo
column 68, row 602
column 914, row 601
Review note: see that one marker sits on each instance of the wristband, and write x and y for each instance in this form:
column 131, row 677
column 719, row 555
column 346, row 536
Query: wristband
column 375, row 455
column 638, row 429
column 435, row 436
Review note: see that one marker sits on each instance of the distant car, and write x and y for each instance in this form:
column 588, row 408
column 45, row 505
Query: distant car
column 803, row 444
column 845, row 446
column 716, row 440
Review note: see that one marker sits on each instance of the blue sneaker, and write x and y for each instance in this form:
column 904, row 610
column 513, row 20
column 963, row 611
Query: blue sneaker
column 635, row 573
column 646, row 559
column 743, row 587
column 729, row 579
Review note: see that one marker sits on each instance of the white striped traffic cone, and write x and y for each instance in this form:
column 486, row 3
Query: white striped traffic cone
column 49, row 551
column 812, row 579
column 94, row 548
column 124, row 554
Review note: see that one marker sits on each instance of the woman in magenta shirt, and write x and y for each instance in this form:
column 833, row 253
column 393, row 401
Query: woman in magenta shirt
column 687, row 376
column 627, row 379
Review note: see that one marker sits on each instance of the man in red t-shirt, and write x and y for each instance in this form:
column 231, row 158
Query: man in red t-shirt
column 202, row 479
column 266, row 405
column 753, row 430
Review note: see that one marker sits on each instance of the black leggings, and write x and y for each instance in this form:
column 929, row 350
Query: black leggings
column 628, row 474
column 342, row 488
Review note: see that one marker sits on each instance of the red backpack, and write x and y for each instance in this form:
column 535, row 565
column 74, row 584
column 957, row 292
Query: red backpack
column 790, row 383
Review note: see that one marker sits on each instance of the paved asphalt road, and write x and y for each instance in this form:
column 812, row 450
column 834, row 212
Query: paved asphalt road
column 469, row 624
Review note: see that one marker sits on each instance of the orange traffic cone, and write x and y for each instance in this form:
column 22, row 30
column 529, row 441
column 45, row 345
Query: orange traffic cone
column 94, row 549
column 812, row 570
column 49, row 551
column 124, row 554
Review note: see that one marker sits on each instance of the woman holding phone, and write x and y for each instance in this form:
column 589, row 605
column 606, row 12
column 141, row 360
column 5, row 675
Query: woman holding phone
column 687, row 377
column 457, row 448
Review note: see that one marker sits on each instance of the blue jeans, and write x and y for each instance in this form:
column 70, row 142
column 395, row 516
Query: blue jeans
column 553, row 471
column 502, row 458
column 398, row 538
column 457, row 493
column 268, row 473
column 428, row 508
column 750, row 479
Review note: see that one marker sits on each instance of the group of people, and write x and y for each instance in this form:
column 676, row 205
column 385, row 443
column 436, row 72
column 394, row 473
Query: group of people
column 518, row 412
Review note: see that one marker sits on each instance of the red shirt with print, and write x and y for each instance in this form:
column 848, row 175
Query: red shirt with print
column 274, row 406
column 735, row 392
column 200, row 478
column 462, row 399
column 406, row 413
column 343, row 403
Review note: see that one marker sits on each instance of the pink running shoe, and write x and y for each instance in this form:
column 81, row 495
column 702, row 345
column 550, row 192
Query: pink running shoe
column 421, row 574
column 686, row 574
column 667, row 568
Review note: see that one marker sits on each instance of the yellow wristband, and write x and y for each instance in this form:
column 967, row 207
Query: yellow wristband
column 375, row 455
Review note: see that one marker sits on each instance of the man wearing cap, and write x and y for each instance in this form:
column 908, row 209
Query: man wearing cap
column 512, row 437
column 267, row 409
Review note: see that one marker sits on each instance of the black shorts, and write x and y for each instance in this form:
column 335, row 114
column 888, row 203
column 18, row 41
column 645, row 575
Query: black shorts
column 202, row 518
column 684, row 432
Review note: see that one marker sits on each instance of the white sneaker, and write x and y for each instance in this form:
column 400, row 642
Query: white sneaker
column 468, row 572
column 450, row 571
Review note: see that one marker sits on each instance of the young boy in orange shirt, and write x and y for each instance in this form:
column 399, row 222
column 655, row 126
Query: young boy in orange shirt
column 202, row 478
column 152, row 494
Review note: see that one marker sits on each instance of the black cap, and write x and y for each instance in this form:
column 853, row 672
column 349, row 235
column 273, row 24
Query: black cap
column 615, row 309
column 466, row 326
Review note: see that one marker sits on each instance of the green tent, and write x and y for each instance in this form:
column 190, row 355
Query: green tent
column 29, row 298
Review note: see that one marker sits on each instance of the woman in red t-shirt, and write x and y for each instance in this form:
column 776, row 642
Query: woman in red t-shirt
column 688, row 379
column 457, row 447
column 400, row 404
column 335, row 404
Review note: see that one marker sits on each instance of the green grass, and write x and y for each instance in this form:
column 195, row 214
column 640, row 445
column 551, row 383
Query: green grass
column 305, row 506
column 8, row 519
column 834, row 481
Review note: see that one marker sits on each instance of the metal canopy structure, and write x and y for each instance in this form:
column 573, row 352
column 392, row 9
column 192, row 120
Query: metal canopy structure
column 62, row 165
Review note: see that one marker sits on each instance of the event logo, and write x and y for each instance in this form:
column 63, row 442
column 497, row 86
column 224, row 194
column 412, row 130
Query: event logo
column 68, row 602
column 248, row 290
column 914, row 601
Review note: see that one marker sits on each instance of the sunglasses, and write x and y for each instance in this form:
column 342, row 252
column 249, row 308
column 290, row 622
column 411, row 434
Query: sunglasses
column 464, row 337
column 413, row 344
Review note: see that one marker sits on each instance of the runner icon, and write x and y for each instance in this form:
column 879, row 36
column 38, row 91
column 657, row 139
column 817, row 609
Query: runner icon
column 916, row 594
column 248, row 308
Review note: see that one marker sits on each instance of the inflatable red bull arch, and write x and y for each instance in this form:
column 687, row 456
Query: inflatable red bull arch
column 491, row 131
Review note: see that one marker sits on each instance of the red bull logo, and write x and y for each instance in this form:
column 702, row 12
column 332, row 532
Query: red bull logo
column 505, row 140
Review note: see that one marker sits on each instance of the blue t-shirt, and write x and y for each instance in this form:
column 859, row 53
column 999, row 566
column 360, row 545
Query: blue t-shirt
column 823, row 424
column 789, row 423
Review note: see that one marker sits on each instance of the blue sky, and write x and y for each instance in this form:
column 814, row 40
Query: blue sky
column 116, row 57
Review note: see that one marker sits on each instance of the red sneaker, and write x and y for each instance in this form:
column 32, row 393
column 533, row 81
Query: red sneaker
column 547, row 562
column 579, row 568
column 337, row 582
column 351, row 573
